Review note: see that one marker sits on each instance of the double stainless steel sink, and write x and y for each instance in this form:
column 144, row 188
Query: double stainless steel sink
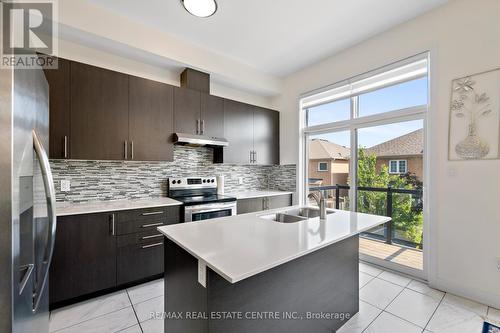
column 295, row 215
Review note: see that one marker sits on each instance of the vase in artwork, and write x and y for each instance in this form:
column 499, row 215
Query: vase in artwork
column 472, row 147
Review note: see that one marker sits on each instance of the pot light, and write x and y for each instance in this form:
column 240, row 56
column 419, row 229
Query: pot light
column 200, row 8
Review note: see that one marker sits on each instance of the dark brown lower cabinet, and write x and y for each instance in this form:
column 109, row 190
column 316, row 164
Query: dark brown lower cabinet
column 98, row 252
column 84, row 259
column 252, row 205
column 279, row 201
column 139, row 261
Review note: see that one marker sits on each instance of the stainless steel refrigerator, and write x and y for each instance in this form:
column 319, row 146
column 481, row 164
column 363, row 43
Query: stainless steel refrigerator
column 27, row 201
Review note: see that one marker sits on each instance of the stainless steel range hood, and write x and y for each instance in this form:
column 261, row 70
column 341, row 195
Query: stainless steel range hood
column 199, row 140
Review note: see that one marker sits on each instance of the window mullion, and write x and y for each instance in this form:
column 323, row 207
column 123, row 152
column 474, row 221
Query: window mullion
column 354, row 156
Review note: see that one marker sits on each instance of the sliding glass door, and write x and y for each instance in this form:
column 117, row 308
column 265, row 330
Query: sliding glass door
column 390, row 178
column 364, row 148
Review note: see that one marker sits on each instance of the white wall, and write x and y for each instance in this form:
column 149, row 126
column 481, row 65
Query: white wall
column 464, row 38
column 95, row 57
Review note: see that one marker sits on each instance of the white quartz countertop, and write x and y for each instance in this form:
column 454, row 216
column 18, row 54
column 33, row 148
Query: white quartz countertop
column 241, row 246
column 256, row 194
column 68, row 208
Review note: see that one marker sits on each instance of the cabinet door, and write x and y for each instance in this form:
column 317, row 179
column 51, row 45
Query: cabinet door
column 238, row 130
column 59, row 105
column 187, row 106
column 250, row 205
column 84, row 258
column 151, row 120
column 266, row 136
column 212, row 115
column 279, row 201
column 99, row 113
column 140, row 261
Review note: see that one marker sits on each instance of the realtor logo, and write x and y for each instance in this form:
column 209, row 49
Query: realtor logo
column 28, row 33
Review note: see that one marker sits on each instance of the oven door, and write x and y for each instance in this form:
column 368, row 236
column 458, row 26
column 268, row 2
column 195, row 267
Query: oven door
column 209, row 211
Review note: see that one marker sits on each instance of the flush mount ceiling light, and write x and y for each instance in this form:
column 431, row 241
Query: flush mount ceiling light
column 200, row 8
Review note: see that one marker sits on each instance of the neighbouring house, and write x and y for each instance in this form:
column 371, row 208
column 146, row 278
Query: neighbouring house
column 402, row 154
column 328, row 163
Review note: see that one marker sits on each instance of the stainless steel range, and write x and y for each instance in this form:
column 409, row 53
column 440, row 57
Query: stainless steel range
column 200, row 198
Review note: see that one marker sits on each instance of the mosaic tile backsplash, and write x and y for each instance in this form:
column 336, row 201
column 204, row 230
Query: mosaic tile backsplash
column 114, row 180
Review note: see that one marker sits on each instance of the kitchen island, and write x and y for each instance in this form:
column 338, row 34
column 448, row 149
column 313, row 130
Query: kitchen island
column 250, row 273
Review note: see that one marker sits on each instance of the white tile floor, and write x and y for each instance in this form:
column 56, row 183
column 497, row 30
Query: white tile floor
column 389, row 302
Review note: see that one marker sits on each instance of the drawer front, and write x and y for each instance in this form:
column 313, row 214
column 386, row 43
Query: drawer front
column 145, row 237
column 136, row 262
column 250, row 205
column 141, row 214
column 145, row 220
column 280, row 201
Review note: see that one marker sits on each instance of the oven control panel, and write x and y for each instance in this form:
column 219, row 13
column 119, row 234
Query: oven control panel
column 192, row 182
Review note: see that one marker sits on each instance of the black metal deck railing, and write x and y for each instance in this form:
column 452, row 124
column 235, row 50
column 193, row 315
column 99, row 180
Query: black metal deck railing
column 389, row 233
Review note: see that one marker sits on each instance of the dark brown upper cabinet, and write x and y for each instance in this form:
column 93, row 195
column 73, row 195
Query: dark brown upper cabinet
column 99, row 113
column 187, row 108
column 195, row 80
column 252, row 132
column 265, row 136
column 59, row 97
column 151, row 119
column 212, row 116
column 238, row 130
column 198, row 113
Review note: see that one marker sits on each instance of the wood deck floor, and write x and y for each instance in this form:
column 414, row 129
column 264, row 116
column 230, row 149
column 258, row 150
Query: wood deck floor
column 390, row 252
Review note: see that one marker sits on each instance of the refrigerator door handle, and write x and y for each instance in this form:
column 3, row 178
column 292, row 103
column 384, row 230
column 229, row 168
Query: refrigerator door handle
column 48, row 182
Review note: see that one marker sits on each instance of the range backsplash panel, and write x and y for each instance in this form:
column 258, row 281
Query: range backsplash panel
column 114, row 180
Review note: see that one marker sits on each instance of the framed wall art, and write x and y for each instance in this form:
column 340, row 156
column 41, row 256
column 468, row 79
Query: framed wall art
column 474, row 129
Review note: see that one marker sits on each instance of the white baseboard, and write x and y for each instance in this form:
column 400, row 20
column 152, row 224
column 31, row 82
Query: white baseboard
column 480, row 296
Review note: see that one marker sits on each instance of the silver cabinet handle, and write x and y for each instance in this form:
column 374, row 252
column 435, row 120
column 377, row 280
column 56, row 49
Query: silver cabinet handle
column 65, row 147
column 132, row 149
column 255, row 156
column 203, row 126
column 152, row 236
column 125, row 153
column 151, row 225
column 198, row 127
column 152, row 245
column 265, row 203
column 251, row 156
column 113, row 224
column 50, row 193
column 153, row 213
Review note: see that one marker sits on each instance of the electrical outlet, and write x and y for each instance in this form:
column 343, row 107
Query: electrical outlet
column 240, row 180
column 65, row 185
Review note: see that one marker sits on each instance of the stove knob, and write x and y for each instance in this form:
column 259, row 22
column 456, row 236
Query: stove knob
column 173, row 181
column 204, row 180
column 212, row 181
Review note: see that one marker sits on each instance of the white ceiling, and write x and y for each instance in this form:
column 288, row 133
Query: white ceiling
column 277, row 37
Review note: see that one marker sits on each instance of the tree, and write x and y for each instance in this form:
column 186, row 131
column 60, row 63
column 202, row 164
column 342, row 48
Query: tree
column 407, row 216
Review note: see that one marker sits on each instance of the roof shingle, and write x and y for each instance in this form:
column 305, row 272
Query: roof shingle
column 408, row 144
column 324, row 149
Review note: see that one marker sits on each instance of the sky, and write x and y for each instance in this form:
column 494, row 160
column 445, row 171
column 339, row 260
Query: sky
column 396, row 97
